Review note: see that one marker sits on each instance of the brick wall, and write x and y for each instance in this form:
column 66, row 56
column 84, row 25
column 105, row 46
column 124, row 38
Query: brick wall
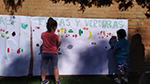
column 138, row 22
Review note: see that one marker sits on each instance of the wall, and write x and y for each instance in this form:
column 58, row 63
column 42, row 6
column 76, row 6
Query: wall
column 138, row 19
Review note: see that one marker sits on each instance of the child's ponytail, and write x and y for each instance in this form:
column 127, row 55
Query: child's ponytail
column 51, row 23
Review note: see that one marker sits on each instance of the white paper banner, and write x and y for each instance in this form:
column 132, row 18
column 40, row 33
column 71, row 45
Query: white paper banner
column 85, row 48
column 15, row 45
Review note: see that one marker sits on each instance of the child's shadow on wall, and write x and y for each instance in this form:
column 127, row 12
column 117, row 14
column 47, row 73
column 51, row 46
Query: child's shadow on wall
column 137, row 54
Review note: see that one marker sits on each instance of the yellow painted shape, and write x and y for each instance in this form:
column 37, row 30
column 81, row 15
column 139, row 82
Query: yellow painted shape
column 19, row 34
column 90, row 35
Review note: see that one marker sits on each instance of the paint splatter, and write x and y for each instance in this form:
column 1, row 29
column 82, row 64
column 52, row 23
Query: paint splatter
column 61, row 30
column 93, row 43
column 21, row 50
column 19, row 34
column 70, row 31
column 3, row 30
column 59, row 53
column 58, row 30
column 39, row 53
column 24, row 26
column 12, row 23
column 65, row 31
column 80, row 32
column 33, row 30
column 70, row 46
column 18, row 51
column 2, row 34
column 7, row 38
column 38, row 27
column 76, row 36
column 13, row 34
column 37, row 45
column 84, row 28
column 8, row 50
column 6, row 32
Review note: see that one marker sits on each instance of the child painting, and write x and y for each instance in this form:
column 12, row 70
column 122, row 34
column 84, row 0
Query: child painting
column 121, row 49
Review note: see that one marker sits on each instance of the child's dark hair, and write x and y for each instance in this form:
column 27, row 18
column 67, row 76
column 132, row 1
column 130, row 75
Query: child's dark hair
column 51, row 23
column 121, row 33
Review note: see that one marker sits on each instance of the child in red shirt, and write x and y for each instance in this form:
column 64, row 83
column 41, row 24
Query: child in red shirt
column 49, row 52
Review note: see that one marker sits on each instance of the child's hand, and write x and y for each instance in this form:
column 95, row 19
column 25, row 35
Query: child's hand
column 59, row 43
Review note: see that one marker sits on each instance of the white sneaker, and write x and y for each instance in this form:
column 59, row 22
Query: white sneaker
column 125, row 79
column 118, row 80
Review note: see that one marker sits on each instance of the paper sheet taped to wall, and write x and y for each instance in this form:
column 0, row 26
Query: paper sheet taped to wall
column 85, row 45
column 14, row 45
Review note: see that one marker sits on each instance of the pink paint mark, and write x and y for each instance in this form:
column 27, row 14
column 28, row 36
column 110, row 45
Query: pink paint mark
column 99, row 37
column 97, row 33
column 102, row 37
column 33, row 30
column 3, row 30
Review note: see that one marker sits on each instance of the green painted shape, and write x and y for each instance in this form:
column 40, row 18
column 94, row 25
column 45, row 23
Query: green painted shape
column 80, row 32
column 59, row 53
column 70, row 31
column 21, row 50
column 2, row 34
column 24, row 26
column 7, row 38
column 6, row 32
column 39, row 53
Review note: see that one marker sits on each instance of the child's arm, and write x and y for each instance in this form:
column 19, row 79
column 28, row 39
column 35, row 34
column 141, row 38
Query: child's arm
column 59, row 43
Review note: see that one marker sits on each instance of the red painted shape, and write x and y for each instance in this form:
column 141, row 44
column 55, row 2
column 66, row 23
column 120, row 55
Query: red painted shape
column 0, row 29
column 18, row 51
column 66, row 35
column 38, row 27
column 75, row 36
column 72, row 35
column 33, row 30
column 3, row 30
column 58, row 30
column 8, row 50
column 92, row 43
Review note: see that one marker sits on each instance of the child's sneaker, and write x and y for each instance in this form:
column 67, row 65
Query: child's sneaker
column 125, row 79
column 118, row 80
column 45, row 81
column 57, row 82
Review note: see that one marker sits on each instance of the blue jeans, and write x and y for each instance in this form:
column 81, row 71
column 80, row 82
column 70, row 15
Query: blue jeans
column 45, row 59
